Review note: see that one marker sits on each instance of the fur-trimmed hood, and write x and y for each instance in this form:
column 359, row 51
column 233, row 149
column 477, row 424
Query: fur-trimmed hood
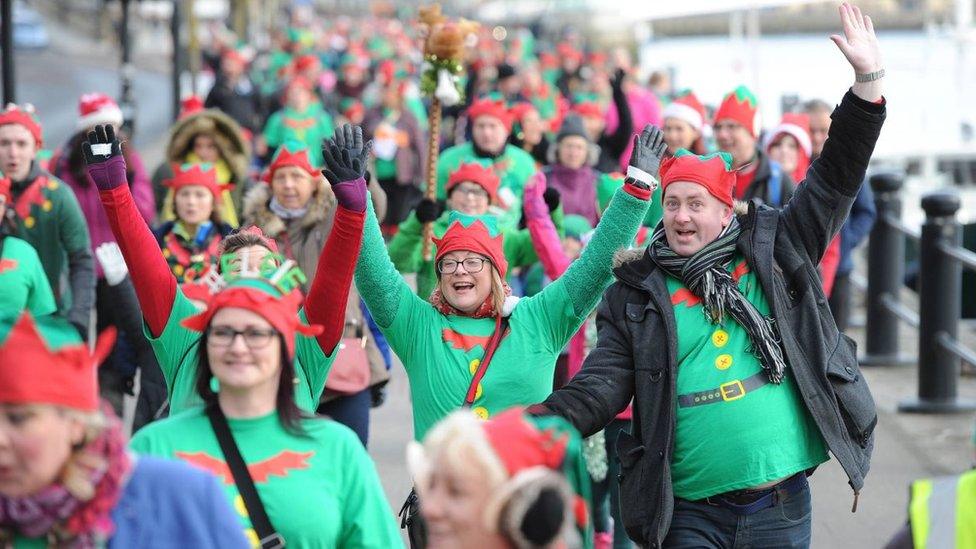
column 257, row 209
column 227, row 133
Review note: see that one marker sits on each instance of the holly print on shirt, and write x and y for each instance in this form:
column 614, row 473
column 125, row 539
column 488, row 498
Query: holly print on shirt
column 319, row 487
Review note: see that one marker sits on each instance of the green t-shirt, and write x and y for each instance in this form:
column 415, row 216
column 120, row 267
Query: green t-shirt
column 23, row 284
column 319, row 488
column 310, row 127
column 764, row 435
column 441, row 352
column 176, row 350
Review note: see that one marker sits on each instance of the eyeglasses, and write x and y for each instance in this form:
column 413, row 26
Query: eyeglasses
column 473, row 190
column 254, row 338
column 471, row 265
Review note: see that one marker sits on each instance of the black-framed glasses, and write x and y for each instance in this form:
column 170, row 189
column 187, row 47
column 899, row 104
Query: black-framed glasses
column 471, row 265
column 254, row 338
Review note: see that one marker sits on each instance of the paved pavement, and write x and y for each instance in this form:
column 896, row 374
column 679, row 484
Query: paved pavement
column 907, row 446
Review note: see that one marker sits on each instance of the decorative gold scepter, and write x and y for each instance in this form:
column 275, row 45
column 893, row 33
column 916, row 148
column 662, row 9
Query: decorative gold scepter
column 443, row 57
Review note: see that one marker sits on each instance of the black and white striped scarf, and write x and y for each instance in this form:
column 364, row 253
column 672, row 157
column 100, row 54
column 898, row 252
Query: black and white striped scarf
column 705, row 273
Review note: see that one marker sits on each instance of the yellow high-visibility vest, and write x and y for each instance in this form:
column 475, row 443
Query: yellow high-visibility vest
column 943, row 512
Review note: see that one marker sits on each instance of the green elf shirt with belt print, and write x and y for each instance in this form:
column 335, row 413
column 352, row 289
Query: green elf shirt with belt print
column 734, row 428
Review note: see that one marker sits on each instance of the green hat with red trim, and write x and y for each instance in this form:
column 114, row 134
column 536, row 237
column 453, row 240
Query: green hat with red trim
column 712, row 171
column 741, row 107
column 473, row 233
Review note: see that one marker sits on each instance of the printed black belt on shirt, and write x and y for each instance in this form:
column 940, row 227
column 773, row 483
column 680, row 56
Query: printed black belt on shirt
column 726, row 392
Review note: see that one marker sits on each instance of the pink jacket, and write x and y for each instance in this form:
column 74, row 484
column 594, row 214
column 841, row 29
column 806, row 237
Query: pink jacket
column 644, row 109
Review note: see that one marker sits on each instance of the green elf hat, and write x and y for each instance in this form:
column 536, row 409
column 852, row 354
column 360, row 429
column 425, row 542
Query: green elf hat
column 576, row 226
column 271, row 294
column 477, row 234
column 542, row 455
column 741, row 107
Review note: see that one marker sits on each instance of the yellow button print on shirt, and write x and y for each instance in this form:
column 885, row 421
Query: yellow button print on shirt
column 481, row 412
column 720, row 338
column 473, row 365
column 723, row 362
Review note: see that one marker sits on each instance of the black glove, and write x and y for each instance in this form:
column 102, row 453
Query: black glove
column 649, row 149
column 106, row 165
column 617, row 80
column 429, row 210
column 345, row 155
column 378, row 394
column 551, row 196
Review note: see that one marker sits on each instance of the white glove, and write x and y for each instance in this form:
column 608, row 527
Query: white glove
column 110, row 258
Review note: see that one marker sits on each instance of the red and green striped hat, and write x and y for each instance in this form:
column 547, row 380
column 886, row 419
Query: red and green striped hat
column 741, row 107
column 712, row 171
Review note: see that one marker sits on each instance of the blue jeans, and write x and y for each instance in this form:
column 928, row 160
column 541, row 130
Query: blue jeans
column 351, row 411
column 699, row 524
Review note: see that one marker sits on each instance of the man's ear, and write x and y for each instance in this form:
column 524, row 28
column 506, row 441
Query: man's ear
column 727, row 213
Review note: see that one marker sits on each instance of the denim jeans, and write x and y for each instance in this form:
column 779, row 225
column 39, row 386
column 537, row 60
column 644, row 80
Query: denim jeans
column 699, row 524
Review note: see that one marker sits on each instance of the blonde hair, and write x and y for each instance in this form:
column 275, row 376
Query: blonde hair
column 498, row 293
column 76, row 474
column 459, row 443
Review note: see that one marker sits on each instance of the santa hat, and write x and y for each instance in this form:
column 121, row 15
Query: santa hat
column 478, row 174
column 5, row 190
column 712, row 171
column 477, row 234
column 97, row 108
column 25, row 116
column 796, row 125
column 290, row 153
column 490, row 107
column 742, row 107
column 688, row 108
column 189, row 105
column 204, row 175
column 45, row 361
column 274, row 298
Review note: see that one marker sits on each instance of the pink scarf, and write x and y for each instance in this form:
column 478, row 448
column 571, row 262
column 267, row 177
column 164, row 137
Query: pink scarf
column 62, row 518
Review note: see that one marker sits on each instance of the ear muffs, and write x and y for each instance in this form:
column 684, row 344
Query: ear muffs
column 532, row 509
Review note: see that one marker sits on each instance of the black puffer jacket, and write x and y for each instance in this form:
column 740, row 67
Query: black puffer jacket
column 783, row 248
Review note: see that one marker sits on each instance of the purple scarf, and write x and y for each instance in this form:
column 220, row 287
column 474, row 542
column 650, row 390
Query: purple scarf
column 577, row 190
column 66, row 521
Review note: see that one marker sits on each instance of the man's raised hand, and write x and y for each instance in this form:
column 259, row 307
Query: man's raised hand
column 860, row 46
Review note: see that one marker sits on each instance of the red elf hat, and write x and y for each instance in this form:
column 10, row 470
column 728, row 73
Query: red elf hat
column 45, row 361
column 493, row 108
column 197, row 174
column 712, row 171
column 475, row 173
column 265, row 297
column 471, row 233
column 742, row 107
column 290, row 153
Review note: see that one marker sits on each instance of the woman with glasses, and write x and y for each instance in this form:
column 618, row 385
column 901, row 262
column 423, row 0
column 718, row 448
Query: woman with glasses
column 164, row 305
column 314, row 480
column 472, row 189
column 442, row 343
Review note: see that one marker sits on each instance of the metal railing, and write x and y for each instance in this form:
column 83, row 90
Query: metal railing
column 941, row 260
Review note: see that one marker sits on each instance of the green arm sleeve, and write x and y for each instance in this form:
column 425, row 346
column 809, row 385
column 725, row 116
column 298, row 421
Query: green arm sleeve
column 272, row 130
column 378, row 281
column 176, row 352
column 368, row 520
column 563, row 305
column 406, row 244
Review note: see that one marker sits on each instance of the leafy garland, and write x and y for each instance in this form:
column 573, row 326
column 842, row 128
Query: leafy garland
column 428, row 79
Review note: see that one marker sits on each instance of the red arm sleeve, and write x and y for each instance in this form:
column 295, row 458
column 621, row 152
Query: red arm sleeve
column 154, row 283
column 329, row 292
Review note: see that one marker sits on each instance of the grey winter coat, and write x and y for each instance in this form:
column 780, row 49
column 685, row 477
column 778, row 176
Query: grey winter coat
column 783, row 248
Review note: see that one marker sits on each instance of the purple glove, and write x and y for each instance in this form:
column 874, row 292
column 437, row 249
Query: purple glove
column 534, row 204
column 351, row 195
column 103, row 154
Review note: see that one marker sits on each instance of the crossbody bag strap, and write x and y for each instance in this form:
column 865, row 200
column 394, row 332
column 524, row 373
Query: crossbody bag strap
column 493, row 343
column 269, row 538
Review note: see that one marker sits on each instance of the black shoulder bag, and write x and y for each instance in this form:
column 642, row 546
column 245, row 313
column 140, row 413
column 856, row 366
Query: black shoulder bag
column 410, row 517
column 270, row 538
